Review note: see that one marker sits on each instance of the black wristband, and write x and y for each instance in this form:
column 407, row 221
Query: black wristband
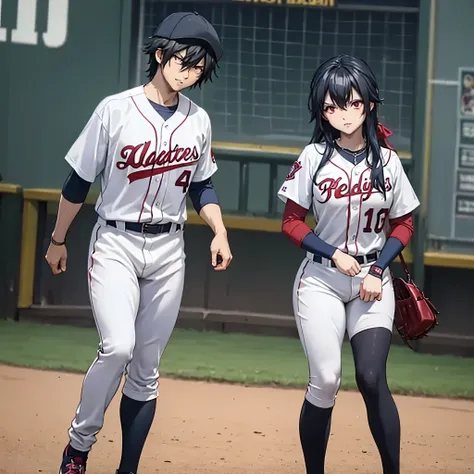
column 55, row 242
column 376, row 271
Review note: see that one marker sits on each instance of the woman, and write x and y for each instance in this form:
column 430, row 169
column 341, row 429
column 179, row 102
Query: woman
column 354, row 183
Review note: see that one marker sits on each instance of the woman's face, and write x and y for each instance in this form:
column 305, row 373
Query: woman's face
column 348, row 119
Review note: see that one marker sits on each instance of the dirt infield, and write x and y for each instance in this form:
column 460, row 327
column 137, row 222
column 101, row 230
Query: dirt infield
column 212, row 428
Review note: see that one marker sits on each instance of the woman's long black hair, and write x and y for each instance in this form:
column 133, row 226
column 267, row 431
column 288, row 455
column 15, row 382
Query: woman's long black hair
column 339, row 76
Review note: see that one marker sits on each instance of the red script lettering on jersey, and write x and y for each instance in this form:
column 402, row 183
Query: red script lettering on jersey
column 138, row 156
column 339, row 188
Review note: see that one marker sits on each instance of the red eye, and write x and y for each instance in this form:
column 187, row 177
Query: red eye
column 330, row 109
column 357, row 104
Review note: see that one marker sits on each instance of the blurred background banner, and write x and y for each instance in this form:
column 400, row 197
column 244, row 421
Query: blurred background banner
column 349, row 4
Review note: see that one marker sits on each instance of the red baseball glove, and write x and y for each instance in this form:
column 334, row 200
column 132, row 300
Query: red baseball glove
column 415, row 314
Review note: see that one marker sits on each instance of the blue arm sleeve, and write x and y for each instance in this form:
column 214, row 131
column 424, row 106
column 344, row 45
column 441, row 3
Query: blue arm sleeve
column 75, row 188
column 388, row 254
column 202, row 193
column 312, row 243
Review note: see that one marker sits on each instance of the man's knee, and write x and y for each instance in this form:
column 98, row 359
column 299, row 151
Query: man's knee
column 118, row 352
column 323, row 388
column 142, row 379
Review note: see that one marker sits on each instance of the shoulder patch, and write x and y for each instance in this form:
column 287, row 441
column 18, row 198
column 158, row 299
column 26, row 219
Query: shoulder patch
column 294, row 169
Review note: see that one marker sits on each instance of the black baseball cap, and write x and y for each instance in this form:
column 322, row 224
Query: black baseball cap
column 188, row 26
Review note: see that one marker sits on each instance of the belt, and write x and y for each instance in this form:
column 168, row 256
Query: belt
column 362, row 259
column 146, row 228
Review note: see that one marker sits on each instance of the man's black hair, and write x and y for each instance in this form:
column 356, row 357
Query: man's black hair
column 195, row 51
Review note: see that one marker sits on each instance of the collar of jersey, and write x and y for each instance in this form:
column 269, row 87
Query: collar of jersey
column 147, row 109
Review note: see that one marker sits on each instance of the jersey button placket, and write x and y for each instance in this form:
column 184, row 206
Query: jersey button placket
column 162, row 141
column 355, row 177
column 159, row 177
column 353, row 201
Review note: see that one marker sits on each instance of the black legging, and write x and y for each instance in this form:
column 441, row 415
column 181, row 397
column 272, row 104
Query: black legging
column 370, row 349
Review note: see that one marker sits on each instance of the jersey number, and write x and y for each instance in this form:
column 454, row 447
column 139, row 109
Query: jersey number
column 183, row 180
column 379, row 220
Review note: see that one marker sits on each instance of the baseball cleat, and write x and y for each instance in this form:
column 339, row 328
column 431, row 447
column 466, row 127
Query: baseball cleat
column 72, row 464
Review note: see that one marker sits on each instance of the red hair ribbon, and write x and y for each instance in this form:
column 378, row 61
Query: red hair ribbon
column 383, row 133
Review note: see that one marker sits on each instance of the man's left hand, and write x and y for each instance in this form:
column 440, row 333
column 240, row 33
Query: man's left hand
column 220, row 248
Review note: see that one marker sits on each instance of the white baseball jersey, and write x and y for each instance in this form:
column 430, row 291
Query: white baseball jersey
column 350, row 214
column 145, row 164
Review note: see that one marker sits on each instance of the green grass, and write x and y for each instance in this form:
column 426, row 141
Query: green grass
column 238, row 358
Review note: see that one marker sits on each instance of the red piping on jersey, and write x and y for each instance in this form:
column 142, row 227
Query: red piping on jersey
column 185, row 118
column 349, row 178
column 299, row 286
column 358, row 220
column 360, row 204
column 171, row 139
column 298, row 310
column 360, row 212
column 90, row 286
column 92, row 258
column 156, row 148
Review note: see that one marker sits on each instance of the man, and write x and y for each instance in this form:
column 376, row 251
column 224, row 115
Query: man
column 151, row 146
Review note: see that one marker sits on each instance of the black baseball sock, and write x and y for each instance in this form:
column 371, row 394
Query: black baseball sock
column 136, row 419
column 315, row 426
column 371, row 348
column 77, row 454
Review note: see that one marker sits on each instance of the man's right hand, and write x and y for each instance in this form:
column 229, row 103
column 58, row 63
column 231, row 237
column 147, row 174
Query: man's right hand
column 345, row 263
column 56, row 256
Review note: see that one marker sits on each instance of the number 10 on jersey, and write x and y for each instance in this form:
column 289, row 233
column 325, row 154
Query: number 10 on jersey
column 380, row 219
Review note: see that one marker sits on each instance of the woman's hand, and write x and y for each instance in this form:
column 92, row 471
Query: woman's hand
column 371, row 288
column 345, row 263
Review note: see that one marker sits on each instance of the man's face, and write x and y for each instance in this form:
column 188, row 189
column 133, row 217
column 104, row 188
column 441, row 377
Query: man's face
column 348, row 119
column 176, row 76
